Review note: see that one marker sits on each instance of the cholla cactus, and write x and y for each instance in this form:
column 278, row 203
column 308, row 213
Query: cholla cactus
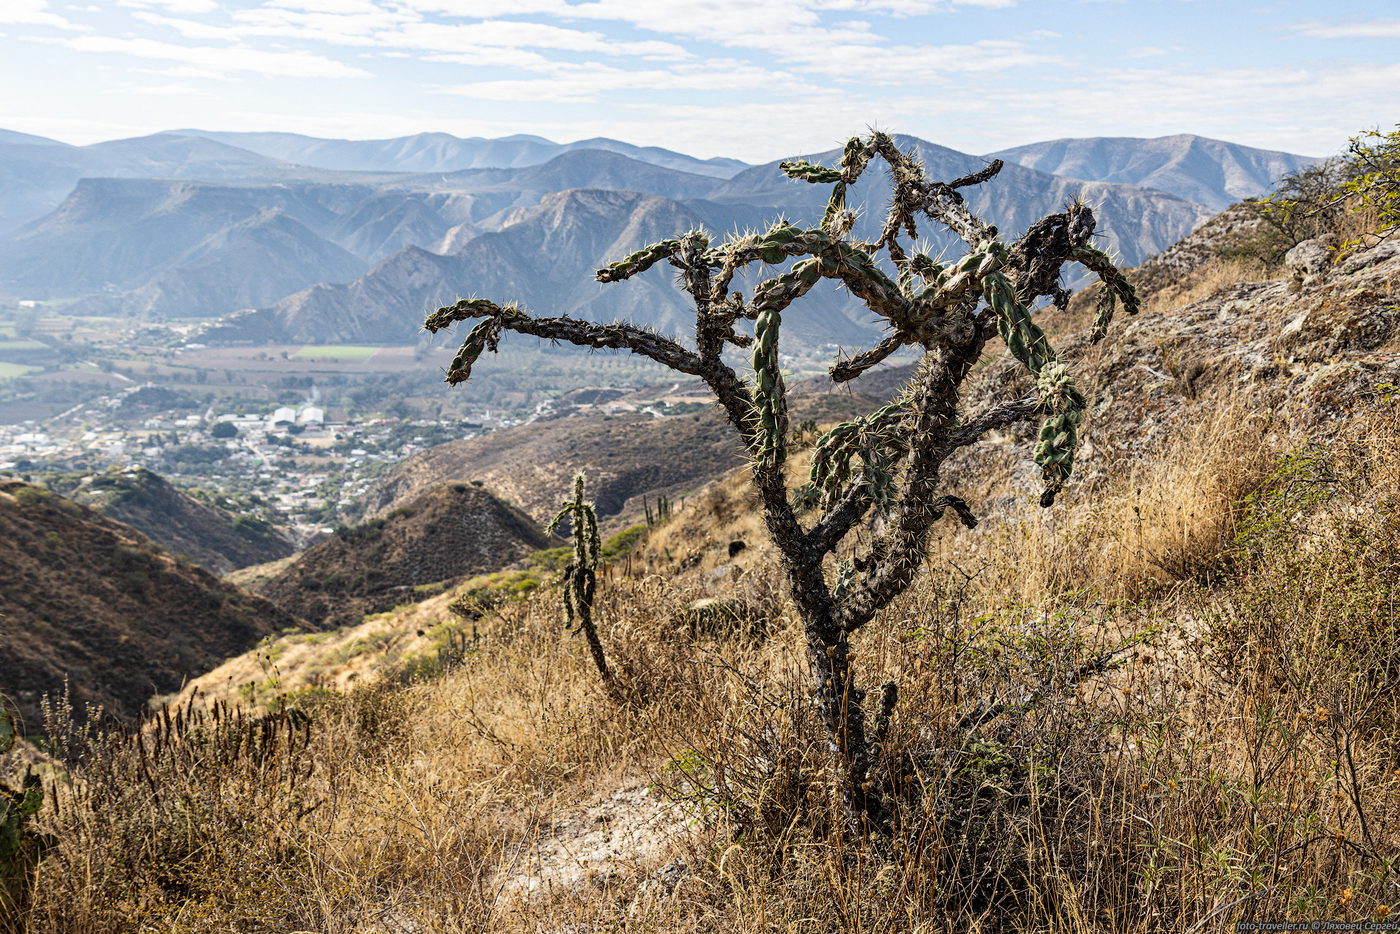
column 581, row 576
column 884, row 467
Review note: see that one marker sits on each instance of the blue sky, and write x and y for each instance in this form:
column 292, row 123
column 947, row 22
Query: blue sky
column 753, row 79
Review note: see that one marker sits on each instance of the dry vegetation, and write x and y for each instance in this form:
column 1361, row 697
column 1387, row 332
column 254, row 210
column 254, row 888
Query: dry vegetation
column 1239, row 763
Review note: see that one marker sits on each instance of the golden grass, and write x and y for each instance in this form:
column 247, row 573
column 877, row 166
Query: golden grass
column 1215, row 275
column 1239, row 764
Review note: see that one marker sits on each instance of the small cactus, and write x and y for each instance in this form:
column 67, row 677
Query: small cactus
column 581, row 576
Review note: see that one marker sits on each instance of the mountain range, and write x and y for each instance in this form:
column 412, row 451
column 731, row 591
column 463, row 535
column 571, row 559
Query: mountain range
column 336, row 240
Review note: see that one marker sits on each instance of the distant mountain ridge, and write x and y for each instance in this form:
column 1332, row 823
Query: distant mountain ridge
column 544, row 256
column 1208, row 171
column 443, row 152
column 375, row 249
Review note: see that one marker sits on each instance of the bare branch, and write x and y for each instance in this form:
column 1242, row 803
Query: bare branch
column 850, row 369
column 994, row 419
column 617, row 336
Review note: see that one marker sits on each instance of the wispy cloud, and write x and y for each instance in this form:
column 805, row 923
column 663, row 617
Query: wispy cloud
column 1369, row 29
column 32, row 13
column 174, row 6
column 219, row 59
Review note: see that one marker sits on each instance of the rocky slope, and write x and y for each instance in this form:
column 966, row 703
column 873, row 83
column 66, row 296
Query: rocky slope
column 449, row 532
column 87, row 600
column 214, row 538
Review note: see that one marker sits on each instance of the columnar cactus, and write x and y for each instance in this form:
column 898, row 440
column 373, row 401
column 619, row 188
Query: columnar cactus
column 885, row 467
column 581, row 576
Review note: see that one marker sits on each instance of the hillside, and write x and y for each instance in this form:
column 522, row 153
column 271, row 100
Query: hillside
column 1228, row 538
column 91, row 601
column 213, row 538
column 437, row 538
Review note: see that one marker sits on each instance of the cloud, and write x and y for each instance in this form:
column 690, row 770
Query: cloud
column 32, row 13
column 174, row 6
column 460, row 37
column 583, row 83
column 1370, row 29
column 157, row 90
column 223, row 59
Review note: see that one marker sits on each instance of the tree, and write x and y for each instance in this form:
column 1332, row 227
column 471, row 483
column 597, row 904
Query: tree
column 886, row 465
column 1374, row 177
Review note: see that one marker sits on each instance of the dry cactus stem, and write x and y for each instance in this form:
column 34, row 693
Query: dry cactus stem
column 887, row 464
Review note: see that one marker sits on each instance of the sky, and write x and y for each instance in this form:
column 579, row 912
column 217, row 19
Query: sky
column 750, row 79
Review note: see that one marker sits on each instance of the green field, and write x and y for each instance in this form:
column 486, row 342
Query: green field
column 333, row 352
column 11, row 370
column 22, row 344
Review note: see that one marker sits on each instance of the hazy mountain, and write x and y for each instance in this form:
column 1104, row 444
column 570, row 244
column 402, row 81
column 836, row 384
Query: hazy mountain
column 364, row 255
column 442, row 152
column 1209, row 171
column 184, row 247
column 544, row 257
column 187, row 247
column 36, row 174
column 1134, row 221
column 213, row 277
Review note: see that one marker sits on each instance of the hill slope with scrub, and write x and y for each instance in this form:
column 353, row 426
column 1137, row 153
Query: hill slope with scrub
column 91, row 604
column 213, row 537
column 434, row 540
column 1167, row 701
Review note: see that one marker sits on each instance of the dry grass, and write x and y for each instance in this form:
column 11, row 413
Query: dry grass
column 1159, row 521
column 1240, row 764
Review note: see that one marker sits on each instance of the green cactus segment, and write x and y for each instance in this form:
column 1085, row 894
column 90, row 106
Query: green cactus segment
column 1116, row 289
column 639, row 262
column 465, row 310
column 581, row 576
column 806, row 171
column 770, row 396
column 876, row 441
column 835, row 259
column 1054, row 452
column 8, row 731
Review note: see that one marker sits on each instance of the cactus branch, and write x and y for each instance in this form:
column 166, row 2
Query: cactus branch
column 581, row 333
